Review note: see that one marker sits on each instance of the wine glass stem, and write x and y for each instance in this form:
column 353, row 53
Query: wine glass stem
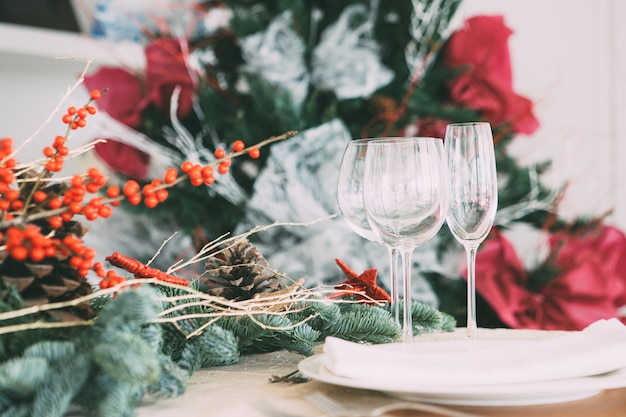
column 393, row 285
column 472, row 326
column 407, row 316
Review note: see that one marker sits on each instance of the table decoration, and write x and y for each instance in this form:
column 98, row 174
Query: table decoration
column 74, row 333
column 333, row 73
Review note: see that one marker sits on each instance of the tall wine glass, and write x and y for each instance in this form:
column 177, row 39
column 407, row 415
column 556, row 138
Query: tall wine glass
column 350, row 199
column 405, row 196
column 473, row 197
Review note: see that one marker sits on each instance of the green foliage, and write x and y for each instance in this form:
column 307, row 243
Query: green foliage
column 361, row 322
column 108, row 367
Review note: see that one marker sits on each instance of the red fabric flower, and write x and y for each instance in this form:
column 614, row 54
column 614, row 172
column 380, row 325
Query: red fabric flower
column 128, row 96
column 366, row 283
column 486, row 86
column 123, row 158
column 591, row 285
column 166, row 69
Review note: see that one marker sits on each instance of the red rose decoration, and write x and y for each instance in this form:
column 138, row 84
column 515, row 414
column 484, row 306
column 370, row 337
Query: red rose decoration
column 591, row 285
column 123, row 158
column 486, row 86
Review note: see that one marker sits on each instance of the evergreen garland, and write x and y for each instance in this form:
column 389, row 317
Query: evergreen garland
column 108, row 367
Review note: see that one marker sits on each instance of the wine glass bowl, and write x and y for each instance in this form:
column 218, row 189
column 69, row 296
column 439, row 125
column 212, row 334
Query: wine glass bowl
column 351, row 207
column 350, row 189
column 405, row 197
column 473, row 196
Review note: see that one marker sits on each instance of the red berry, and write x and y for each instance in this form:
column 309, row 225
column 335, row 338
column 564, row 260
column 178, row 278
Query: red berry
column 37, row 254
column 131, row 187
column 196, row 182
column 207, row 171
column 76, row 261
column 148, row 190
column 170, row 175
column 39, row 196
column 134, row 199
column 186, row 166
column 55, row 222
column 220, row 153
column 77, row 181
column 151, row 201
column 59, row 141
column 19, row 253
column 238, row 146
column 55, row 203
column 254, row 153
column 92, row 187
column 104, row 211
column 75, row 207
column 93, row 172
column 11, row 194
column 222, row 169
column 7, row 143
column 95, row 94
column 113, row 191
column 196, row 172
column 161, row 195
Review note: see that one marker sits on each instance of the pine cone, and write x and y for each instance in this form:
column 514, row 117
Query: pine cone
column 239, row 272
column 51, row 280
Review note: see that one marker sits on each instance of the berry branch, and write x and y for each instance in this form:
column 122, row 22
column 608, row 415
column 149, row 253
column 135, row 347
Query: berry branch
column 36, row 214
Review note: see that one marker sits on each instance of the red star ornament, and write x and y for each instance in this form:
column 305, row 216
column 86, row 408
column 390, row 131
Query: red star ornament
column 365, row 283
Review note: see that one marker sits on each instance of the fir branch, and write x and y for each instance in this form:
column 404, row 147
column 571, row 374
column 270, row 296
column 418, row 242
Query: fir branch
column 360, row 322
column 426, row 318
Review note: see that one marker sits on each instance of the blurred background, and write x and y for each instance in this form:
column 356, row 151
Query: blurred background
column 569, row 57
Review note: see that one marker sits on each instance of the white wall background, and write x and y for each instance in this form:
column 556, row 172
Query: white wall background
column 569, row 57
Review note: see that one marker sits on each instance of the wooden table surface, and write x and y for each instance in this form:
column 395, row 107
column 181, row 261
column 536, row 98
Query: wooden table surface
column 238, row 390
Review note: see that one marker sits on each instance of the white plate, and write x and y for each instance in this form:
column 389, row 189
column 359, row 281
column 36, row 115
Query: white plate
column 479, row 395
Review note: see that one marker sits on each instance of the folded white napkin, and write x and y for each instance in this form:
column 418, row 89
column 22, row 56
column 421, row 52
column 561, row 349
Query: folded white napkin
column 599, row 348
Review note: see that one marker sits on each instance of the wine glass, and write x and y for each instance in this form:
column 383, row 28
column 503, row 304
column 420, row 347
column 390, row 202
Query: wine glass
column 405, row 195
column 350, row 199
column 473, row 197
